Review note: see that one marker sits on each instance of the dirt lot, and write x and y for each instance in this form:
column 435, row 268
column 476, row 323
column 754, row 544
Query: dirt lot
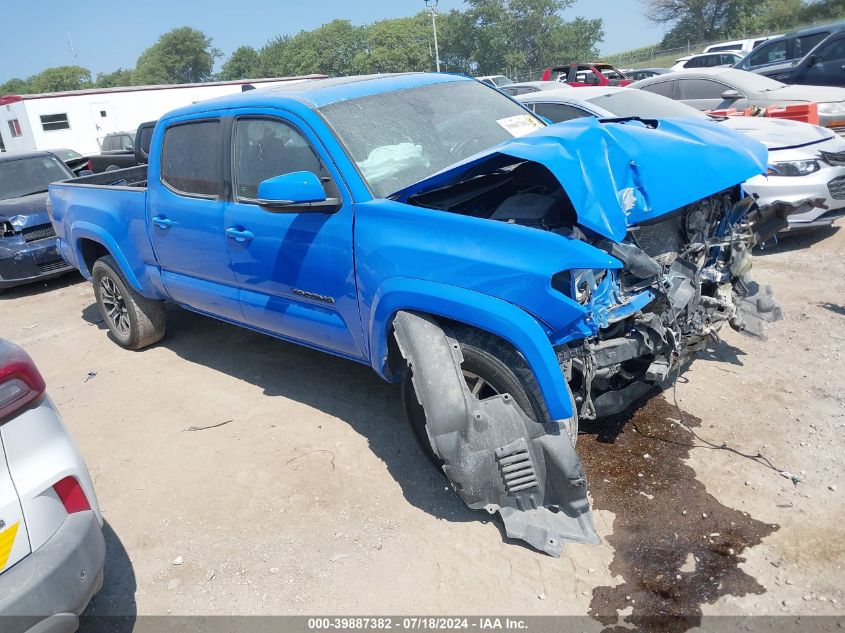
column 311, row 497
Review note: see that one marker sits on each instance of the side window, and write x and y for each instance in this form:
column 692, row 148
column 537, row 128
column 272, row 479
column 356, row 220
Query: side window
column 769, row 54
column 108, row 143
column 805, row 44
column 125, row 142
column 264, row 148
column 701, row 89
column 190, row 159
column 832, row 50
column 557, row 112
column 695, row 62
column 662, row 88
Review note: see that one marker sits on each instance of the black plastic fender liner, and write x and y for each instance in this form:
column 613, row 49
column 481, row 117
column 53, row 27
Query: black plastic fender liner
column 496, row 457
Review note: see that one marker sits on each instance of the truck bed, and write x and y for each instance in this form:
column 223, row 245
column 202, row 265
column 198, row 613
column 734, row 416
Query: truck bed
column 107, row 209
column 134, row 177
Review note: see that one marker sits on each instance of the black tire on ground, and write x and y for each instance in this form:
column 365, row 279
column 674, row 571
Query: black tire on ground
column 501, row 367
column 133, row 320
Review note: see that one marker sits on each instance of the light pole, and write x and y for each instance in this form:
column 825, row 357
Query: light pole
column 432, row 9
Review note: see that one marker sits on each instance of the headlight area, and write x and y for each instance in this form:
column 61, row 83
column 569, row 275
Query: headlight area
column 599, row 291
column 833, row 107
column 793, row 168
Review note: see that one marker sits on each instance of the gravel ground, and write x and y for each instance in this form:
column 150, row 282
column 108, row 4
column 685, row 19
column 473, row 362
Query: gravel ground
column 309, row 495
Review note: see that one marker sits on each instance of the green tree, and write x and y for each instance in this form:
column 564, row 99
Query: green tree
column 272, row 56
column 522, row 35
column 329, row 49
column 821, row 10
column 15, row 86
column 183, row 55
column 60, row 79
column 119, row 78
column 397, row 45
column 244, row 63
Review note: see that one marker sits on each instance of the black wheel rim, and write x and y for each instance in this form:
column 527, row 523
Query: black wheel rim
column 114, row 306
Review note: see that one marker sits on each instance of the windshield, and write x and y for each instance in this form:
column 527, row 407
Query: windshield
column 399, row 138
column 30, row 175
column 641, row 103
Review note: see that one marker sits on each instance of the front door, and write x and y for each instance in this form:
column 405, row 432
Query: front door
column 706, row 94
column 185, row 212
column 295, row 270
column 104, row 121
column 828, row 65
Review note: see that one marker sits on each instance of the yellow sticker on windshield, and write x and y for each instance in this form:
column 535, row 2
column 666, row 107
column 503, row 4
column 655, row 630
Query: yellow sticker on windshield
column 520, row 125
column 7, row 539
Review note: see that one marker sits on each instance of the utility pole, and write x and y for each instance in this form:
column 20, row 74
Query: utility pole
column 432, row 9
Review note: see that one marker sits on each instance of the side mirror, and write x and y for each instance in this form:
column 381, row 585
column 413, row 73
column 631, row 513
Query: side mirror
column 294, row 193
column 812, row 60
column 731, row 95
column 130, row 148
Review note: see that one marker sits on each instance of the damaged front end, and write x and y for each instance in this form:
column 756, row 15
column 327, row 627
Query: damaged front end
column 663, row 200
column 684, row 276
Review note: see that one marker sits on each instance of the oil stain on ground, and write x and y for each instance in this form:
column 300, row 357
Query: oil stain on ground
column 676, row 547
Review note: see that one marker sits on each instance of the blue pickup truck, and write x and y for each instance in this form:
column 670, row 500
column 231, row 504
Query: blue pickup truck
column 512, row 276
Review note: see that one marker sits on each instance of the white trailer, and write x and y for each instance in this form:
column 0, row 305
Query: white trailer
column 80, row 119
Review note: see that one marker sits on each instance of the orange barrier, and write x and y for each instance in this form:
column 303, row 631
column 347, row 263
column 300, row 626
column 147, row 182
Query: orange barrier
column 804, row 112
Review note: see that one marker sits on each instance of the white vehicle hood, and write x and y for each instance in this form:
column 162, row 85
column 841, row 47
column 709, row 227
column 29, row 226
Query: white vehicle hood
column 778, row 134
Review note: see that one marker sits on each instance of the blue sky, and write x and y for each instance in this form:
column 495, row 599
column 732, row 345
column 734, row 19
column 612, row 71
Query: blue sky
column 108, row 34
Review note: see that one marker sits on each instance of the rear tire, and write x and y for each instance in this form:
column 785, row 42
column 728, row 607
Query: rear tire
column 501, row 370
column 133, row 320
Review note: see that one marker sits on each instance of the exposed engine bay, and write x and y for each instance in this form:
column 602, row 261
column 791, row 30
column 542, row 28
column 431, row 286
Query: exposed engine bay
column 684, row 275
column 655, row 240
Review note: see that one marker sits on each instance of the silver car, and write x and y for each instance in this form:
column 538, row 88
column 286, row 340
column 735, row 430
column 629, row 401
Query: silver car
column 805, row 161
column 721, row 88
column 52, row 548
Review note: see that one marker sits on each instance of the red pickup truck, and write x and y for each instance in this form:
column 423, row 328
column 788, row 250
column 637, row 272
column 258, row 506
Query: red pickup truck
column 579, row 75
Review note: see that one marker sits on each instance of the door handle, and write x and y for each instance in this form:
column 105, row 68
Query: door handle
column 162, row 222
column 239, row 235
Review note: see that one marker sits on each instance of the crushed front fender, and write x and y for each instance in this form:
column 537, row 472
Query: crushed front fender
column 496, row 457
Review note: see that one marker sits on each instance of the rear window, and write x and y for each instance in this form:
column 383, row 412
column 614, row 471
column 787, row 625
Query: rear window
column 190, row 159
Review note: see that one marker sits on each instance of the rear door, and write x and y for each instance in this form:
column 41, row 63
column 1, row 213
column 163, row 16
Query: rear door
column 185, row 211
column 14, row 541
column 295, row 270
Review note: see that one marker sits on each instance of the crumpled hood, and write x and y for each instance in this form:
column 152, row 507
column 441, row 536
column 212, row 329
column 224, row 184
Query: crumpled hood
column 25, row 211
column 778, row 133
column 621, row 173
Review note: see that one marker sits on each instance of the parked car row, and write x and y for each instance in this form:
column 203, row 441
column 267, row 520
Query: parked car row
column 806, row 162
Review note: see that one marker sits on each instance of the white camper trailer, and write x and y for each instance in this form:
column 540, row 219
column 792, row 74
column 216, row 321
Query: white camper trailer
column 80, row 119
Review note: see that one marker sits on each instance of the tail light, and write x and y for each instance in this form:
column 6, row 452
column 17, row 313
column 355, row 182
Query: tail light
column 21, row 384
column 89, row 165
column 72, row 495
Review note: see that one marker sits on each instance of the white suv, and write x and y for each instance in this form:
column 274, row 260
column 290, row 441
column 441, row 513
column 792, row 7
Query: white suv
column 51, row 538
